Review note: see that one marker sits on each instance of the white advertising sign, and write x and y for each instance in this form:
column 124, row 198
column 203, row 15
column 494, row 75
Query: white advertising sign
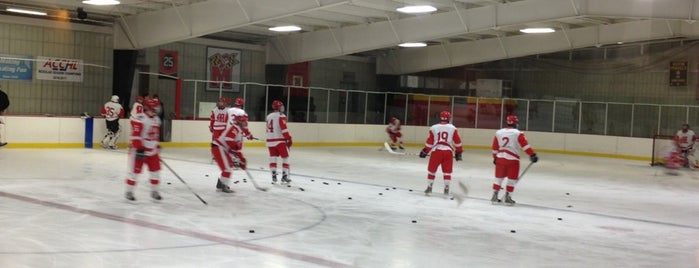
column 59, row 69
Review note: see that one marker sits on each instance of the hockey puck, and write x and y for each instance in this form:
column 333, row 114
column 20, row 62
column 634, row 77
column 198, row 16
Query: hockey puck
column 387, row 189
column 252, row 231
column 288, row 186
column 394, row 188
column 410, row 190
column 414, row 221
column 350, row 198
column 169, row 183
column 326, row 183
column 451, row 198
column 560, row 219
column 380, row 193
column 313, row 180
column 513, row 231
column 339, row 183
column 206, row 175
column 567, row 193
column 301, row 189
column 570, row 206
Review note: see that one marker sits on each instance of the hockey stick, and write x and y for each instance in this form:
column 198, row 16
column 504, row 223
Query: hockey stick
column 525, row 171
column 185, row 183
column 254, row 183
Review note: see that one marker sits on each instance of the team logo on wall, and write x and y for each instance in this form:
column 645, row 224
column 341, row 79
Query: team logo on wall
column 222, row 65
column 168, row 63
column 59, row 69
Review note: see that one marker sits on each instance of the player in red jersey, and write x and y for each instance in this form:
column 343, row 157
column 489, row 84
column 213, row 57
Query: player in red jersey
column 144, row 149
column 393, row 131
column 278, row 141
column 227, row 152
column 506, row 144
column 439, row 147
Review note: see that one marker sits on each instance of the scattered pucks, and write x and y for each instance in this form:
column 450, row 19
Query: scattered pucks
column 394, row 188
column 326, row 183
column 380, row 193
column 570, row 206
column 350, row 198
column 169, row 183
column 567, row 193
column 386, row 189
column 206, row 175
column 451, row 198
column 288, row 185
column 313, row 180
column 235, row 182
column 252, row 231
column 513, row 231
column 414, row 221
column 301, row 189
column 410, row 190
column 560, row 219
column 339, row 183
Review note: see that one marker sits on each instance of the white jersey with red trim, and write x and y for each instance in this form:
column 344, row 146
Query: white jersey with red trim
column 218, row 120
column 685, row 140
column 136, row 109
column 276, row 129
column 112, row 111
column 231, row 138
column 145, row 133
column 393, row 127
column 507, row 142
column 442, row 136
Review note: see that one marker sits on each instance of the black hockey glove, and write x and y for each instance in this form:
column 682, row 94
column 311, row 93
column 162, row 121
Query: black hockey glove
column 495, row 160
column 423, row 154
column 533, row 158
column 140, row 154
column 457, row 156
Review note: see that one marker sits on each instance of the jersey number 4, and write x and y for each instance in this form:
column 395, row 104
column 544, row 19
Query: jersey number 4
column 270, row 126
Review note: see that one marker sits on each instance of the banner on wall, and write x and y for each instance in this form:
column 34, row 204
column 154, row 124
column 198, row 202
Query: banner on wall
column 16, row 67
column 59, row 69
column 223, row 65
column 678, row 73
column 168, row 63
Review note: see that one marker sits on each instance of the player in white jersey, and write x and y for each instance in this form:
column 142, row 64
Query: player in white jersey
column 439, row 146
column 137, row 107
column 278, row 141
column 685, row 139
column 227, row 151
column 219, row 118
column 237, row 110
column 506, row 144
column 112, row 111
column 144, row 149
column 393, row 131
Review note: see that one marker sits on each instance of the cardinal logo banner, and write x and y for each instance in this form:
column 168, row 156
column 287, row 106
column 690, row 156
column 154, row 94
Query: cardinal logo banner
column 222, row 65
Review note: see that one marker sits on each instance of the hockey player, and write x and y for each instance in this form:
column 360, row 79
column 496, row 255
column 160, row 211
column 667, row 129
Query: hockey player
column 144, row 149
column 226, row 149
column 684, row 140
column 506, row 145
column 393, row 131
column 4, row 103
column 219, row 118
column 237, row 110
column 112, row 111
column 439, row 143
column 278, row 141
column 137, row 107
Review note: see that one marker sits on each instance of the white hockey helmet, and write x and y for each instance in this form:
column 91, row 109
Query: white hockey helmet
column 115, row 98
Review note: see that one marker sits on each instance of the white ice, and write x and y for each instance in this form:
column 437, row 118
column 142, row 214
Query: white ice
column 65, row 208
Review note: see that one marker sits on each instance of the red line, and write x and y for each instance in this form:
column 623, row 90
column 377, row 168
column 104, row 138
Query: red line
column 193, row 234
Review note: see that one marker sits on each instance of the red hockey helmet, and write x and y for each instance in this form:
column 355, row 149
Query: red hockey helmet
column 445, row 116
column 394, row 120
column 150, row 104
column 276, row 105
column 139, row 98
column 511, row 119
column 239, row 102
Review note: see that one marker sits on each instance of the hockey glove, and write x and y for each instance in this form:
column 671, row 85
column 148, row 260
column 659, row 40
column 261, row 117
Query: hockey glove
column 423, row 154
column 140, row 154
column 494, row 160
column 288, row 143
column 457, row 156
column 533, row 158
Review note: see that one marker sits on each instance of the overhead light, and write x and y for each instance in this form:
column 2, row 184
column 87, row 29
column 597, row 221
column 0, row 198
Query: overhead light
column 416, row 9
column 288, row 28
column 101, row 2
column 413, row 44
column 26, row 11
column 537, row 30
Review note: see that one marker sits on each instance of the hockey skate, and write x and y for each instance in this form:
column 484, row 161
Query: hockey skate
column 129, row 196
column 226, row 189
column 495, row 198
column 401, row 147
column 155, row 195
column 285, row 178
column 446, row 190
column 274, row 177
column 428, row 191
column 508, row 200
column 219, row 185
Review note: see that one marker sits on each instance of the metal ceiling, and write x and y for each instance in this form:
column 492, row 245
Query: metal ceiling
column 459, row 32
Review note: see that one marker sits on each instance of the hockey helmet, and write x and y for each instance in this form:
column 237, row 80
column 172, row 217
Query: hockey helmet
column 239, row 102
column 444, row 115
column 277, row 105
column 139, row 99
column 150, row 104
column 223, row 101
column 512, row 120
column 394, row 120
column 115, row 98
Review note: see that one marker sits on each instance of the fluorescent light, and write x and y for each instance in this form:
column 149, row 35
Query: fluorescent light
column 537, row 30
column 288, row 28
column 101, row 2
column 416, row 9
column 413, row 44
column 26, row 11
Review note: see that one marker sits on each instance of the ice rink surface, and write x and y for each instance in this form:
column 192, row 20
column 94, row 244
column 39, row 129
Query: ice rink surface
column 65, row 208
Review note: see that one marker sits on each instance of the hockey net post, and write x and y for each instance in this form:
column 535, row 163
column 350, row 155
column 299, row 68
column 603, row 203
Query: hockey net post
column 662, row 145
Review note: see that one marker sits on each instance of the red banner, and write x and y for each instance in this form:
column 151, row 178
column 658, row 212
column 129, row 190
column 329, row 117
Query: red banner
column 168, row 63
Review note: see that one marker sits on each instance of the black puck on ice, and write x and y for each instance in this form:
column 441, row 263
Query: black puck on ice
column 410, row 190
column 326, row 183
column 252, row 231
column 386, row 189
column 288, row 185
column 570, row 206
column 339, row 183
column 350, row 198
column 451, row 198
column 414, row 221
column 313, row 180
column 206, row 175
column 380, row 193
column 169, row 183
column 560, row 219
column 301, row 189
column 567, row 193
column 513, row 231
column 394, row 188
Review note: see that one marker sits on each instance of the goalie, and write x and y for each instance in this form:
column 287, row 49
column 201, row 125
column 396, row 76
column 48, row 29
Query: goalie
column 682, row 153
column 112, row 111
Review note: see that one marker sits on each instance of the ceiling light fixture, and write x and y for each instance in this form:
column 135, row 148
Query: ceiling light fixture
column 416, row 9
column 537, row 30
column 25, row 11
column 101, row 2
column 413, row 44
column 288, row 28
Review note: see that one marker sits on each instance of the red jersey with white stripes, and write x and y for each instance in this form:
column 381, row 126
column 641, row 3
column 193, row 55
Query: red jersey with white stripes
column 145, row 133
column 218, row 121
column 276, row 129
column 507, row 142
column 442, row 136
